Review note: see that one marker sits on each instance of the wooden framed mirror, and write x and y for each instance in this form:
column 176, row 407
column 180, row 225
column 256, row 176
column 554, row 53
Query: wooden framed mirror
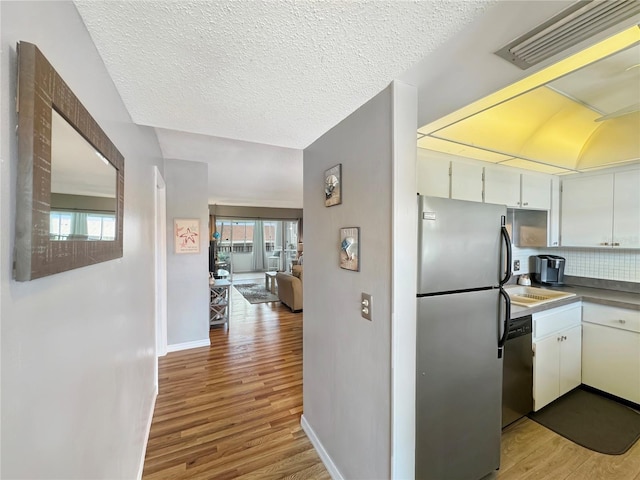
column 70, row 192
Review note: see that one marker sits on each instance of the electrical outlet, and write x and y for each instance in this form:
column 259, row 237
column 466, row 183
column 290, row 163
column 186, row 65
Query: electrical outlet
column 365, row 306
column 516, row 265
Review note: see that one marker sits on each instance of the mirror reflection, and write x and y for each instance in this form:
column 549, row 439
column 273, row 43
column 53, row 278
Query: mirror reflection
column 83, row 187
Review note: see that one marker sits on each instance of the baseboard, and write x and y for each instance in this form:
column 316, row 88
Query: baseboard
column 322, row 453
column 147, row 432
column 206, row 342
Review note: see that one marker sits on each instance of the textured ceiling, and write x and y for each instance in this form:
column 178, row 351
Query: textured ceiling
column 231, row 83
column 272, row 72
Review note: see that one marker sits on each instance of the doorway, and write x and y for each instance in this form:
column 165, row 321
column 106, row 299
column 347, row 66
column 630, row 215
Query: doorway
column 160, row 210
column 257, row 245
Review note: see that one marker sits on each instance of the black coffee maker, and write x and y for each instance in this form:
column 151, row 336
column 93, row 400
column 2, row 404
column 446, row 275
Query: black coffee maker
column 549, row 270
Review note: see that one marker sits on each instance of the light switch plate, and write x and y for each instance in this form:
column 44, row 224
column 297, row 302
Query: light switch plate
column 365, row 306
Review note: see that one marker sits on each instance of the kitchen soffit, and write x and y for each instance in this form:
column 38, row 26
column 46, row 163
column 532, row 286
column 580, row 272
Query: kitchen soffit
column 582, row 117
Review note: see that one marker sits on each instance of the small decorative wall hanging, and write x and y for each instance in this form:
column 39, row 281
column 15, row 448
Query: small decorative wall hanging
column 333, row 186
column 350, row 248
column 187, row 235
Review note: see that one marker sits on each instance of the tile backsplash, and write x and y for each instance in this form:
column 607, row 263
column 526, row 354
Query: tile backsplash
column 608, row 264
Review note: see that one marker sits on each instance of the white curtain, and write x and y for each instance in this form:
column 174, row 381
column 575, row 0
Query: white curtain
column 259, row 259
column 79, row 224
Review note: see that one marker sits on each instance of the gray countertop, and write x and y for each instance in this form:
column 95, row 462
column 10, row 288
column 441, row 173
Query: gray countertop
column 589, row 294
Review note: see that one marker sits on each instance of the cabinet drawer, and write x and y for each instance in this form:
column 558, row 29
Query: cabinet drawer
column 623, row 318
column 550, row 321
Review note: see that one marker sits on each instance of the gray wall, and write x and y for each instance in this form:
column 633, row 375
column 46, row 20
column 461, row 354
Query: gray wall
column 78, row 348
column 255, row 212
column 347, row 359
column 187, row 273
column 82, row 202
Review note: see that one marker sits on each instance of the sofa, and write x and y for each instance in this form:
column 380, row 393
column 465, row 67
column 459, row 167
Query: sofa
column 290, row 288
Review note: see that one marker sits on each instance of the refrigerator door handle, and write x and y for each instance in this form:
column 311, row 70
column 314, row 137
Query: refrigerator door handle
column 505, row 326
column 507, row 244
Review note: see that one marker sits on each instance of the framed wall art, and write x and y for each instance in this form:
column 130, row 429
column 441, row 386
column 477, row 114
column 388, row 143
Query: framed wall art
column 350, row 248
column 333, row 186
column 187, row 235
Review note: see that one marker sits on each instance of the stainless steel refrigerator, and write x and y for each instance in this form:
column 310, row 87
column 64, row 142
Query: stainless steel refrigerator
column 464, row 259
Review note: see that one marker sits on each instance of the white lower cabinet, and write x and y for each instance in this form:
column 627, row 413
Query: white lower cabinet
column 611, row 350
column 557, row 346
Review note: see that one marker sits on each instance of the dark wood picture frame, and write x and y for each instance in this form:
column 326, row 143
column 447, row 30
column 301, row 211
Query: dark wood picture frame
column 40, row 90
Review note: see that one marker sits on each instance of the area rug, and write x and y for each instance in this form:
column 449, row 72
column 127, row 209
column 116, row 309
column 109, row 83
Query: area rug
column 256, row 293
column 591, row 420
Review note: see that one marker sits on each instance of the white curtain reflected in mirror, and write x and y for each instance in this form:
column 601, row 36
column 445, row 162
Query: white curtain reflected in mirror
column 83, row 187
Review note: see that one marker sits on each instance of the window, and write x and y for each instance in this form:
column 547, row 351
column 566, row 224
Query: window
column 67, row 225
column 235, row 236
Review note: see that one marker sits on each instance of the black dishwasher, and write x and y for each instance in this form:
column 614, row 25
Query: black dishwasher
column 517, row 374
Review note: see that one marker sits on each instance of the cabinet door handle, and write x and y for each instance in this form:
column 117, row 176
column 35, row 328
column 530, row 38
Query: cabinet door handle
column 526, row 203
column 616, row 244
column 604, row 243
column 622, row 321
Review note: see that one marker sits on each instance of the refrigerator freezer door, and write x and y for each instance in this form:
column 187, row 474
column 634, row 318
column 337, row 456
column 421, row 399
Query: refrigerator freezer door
column 458, row 386
column 459, row 245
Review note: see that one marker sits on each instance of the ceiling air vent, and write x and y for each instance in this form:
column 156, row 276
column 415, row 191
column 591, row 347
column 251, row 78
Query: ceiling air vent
column 571, row 26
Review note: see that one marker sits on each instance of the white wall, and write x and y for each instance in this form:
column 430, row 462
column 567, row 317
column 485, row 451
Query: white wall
column 78, row 348
column 187, row 273
column 347, row 359
column 404, row 275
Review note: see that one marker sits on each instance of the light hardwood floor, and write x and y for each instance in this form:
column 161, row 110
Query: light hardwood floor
column 531, row 451
column 233, row 411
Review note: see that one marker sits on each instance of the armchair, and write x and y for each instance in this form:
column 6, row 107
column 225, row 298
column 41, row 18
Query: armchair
column 290, row 288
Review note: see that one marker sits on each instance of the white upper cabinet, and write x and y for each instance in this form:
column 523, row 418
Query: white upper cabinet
column 626, row 209
column 502, row 186
column 433, row 176
column 447, row 176
column 536, row 192
column 554, row 214
column 506, row 187
column 466, row 181
column 601, row 210
column 587, row 211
